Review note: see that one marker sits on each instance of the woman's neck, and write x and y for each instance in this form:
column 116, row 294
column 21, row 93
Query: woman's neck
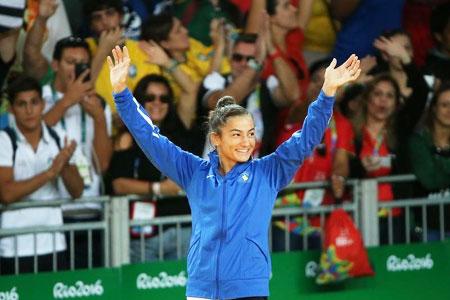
column 374, row 126
column 225, row 166
column 179, row 56
column 441, row 135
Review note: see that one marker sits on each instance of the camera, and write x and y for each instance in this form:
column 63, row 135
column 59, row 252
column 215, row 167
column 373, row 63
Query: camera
column 80, row 68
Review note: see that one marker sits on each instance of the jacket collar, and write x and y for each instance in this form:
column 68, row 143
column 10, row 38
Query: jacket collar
column 233, row 173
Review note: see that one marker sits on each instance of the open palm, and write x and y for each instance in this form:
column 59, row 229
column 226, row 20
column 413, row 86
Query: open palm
column 118, row 70
column 348, row 71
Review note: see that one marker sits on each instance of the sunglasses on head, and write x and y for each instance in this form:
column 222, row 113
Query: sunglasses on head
column 239, row 57
column 153, row 97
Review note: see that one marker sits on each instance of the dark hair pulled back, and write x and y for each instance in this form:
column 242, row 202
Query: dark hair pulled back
column 226, row 108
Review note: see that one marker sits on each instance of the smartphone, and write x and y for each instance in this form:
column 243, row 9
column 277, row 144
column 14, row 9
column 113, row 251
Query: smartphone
column 80, row 68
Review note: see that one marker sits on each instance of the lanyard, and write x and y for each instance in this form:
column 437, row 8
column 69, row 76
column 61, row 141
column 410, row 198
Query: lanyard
column 63, row 120
column 334, row 134
column 378, row 143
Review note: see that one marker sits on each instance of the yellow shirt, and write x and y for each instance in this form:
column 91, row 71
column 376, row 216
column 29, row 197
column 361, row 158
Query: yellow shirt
column 138, row 69
column 319, row 33
column 196, row 66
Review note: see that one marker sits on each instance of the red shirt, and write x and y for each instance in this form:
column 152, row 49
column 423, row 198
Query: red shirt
column 318, row 167
column 294, row 56
column 378, row 147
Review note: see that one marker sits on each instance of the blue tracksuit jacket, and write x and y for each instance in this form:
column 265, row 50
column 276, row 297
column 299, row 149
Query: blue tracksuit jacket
column 229, row 254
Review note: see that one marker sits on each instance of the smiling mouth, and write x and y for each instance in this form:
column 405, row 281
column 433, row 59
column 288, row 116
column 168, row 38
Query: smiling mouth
column 243, row 151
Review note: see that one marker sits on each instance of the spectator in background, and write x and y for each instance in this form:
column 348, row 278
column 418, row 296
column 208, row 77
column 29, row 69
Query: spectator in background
column 73, row 106
column 34, row 158
column 361, row 22
column 287, row 23
column 438, row 59
column 397, row 59
column 376, row 141
column 429, row 151
column 132, row 173
column 262, row 98
column 106, row 19
column 382, row 126
column 194, row 58
column 329, row 162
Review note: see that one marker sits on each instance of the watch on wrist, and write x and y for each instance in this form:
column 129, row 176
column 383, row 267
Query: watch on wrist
column 254, row 64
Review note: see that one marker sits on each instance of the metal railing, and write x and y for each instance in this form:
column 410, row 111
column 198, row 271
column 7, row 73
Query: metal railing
column 370, row 206
column 115, row 223
column 68, row 229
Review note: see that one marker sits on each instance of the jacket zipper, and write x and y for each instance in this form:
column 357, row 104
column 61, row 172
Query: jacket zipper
column 221, row 238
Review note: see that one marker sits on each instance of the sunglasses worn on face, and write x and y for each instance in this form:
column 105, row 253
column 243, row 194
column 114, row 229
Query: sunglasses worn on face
column 239, row 57
column 153, row 97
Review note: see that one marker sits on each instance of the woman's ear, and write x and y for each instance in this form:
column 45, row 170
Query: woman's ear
column 214, row 139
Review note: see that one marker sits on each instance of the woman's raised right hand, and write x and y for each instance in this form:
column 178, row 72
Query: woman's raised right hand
column 118, row 70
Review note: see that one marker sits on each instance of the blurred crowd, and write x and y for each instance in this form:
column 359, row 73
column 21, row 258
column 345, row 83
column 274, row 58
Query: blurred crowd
column 61, row 136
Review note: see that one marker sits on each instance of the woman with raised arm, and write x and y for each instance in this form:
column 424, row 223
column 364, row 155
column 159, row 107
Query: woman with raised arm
column 231, row 196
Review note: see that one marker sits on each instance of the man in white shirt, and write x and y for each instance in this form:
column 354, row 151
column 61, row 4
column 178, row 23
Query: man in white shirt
column 32, row 161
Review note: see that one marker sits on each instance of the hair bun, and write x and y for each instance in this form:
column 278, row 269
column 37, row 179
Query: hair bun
column 225, row 101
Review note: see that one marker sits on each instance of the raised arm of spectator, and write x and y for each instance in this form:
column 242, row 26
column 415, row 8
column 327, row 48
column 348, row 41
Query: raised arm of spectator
column 341, row 9
column 8, row 45
column 34, row 63
column 413, row 87
column 218, row 38
column 288, row 91
column 107, row 40
column 186, row 106
column 15, row 190
column 254, row 16
column 102, row 142
column 304, row 13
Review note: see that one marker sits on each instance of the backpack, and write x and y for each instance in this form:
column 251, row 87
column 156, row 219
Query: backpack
column 13, row 136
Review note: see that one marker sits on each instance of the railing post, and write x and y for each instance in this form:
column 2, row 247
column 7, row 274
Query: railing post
column 120, row 237
column 369, row 213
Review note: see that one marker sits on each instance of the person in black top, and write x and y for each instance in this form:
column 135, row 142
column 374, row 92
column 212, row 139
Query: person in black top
column 132, row 173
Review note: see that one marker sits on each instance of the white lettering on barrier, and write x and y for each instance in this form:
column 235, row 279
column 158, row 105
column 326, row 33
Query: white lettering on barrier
column 162, row 281
column 311, row 269
column 11, row 295
column 410, row 263
column 79, row 290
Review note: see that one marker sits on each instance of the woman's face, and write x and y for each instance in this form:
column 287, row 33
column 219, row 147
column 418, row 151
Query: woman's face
column 285, row 15
column 178, row 39
column 236, row 141
column 442, row 109
column 156, row 101
column 381, row 103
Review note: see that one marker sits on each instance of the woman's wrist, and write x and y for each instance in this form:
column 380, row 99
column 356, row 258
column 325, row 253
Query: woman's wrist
column 171, row 65
column 156, row 188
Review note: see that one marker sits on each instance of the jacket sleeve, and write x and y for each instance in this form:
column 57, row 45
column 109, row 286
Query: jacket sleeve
column 281, row 165
column 177, row 164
